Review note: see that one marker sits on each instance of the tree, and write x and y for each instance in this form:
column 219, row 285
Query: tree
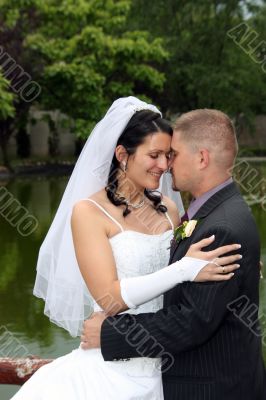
column 7, row 112
column 6, row 99
column 89, row 58
column 206, row 68
column 17, row 19
column 81, row 54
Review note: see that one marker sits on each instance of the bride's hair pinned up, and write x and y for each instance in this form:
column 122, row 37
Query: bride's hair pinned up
column 142, row 124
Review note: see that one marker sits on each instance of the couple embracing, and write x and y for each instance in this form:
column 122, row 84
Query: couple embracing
column 167, row 307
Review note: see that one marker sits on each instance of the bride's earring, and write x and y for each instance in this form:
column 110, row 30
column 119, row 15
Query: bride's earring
column 124, row 167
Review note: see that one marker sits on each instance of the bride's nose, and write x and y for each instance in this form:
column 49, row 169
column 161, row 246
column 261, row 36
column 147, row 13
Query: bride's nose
column 163, row 163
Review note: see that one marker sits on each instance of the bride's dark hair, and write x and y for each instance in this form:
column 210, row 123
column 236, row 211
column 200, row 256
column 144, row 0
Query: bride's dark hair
column 142, row 124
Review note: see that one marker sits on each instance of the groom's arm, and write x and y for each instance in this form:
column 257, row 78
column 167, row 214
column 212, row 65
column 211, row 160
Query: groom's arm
column 178, row 327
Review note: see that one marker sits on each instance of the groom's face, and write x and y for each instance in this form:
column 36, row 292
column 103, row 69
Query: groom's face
column 184, row 164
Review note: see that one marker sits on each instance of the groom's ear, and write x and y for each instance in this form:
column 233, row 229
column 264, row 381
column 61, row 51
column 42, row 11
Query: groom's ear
column 204, row 158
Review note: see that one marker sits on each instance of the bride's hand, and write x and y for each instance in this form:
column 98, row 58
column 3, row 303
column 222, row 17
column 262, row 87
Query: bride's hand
column 220, row 267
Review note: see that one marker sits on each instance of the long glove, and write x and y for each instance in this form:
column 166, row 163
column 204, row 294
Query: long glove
column 140, row 289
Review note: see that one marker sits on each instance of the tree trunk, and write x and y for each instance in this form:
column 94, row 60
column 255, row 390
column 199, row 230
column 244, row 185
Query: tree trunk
column 5, row 157
column 5, row 133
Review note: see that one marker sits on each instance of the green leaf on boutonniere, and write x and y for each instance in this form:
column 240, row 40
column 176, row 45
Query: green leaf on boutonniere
column 185, row 230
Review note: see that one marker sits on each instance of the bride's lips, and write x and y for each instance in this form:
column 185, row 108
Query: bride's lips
column 155, row 174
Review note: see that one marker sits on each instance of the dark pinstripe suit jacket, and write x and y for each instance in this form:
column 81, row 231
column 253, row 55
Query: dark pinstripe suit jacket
column 208, row 334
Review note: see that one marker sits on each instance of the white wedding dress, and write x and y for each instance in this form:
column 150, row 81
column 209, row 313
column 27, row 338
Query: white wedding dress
column 83, row 374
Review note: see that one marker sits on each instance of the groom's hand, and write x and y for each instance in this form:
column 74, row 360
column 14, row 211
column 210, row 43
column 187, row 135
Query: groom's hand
column 90, row 338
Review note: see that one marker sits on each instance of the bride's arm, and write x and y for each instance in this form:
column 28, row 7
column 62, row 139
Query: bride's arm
column 139, row 290
column 195, row 266
column 95, row 257
column 97, row 266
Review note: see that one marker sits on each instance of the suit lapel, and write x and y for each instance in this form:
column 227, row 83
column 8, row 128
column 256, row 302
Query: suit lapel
column 217, row 199
column 213, row 202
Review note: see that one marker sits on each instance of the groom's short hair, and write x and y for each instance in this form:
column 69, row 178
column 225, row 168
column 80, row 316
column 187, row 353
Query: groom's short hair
column 211, row 128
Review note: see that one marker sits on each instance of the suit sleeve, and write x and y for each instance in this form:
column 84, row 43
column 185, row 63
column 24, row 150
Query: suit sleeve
column 178, row 327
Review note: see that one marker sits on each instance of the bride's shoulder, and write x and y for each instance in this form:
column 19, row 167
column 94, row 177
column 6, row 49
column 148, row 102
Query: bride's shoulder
column 82, row 211
column 84, row 207
column 89, row 202
column 94, row 207
column 85, row 210
column 172, row 210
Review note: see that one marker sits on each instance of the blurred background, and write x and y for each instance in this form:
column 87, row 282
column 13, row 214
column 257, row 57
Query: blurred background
column 62, row 64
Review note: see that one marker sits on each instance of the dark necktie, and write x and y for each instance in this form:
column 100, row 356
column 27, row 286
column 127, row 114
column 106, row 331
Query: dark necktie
column 184, row 218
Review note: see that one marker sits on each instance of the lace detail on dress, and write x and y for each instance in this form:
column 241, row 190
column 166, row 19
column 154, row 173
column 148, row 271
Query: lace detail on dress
column 83, row 374
column 136, row 254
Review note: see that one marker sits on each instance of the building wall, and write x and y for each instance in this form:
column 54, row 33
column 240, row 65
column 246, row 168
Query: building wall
column 39, row 131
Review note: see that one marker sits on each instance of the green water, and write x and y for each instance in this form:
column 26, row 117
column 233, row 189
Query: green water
column 21, row 314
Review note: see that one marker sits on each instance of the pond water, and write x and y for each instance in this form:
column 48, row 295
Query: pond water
column 21, row 314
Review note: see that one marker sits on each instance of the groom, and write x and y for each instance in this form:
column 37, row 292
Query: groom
column 210, row 331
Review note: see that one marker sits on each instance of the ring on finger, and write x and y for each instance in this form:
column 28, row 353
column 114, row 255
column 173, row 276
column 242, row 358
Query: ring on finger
column 223, row 270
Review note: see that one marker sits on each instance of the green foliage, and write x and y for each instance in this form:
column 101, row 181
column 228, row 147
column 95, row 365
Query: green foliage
column 6, row 99
column 206, row 68
column 82, row 55
column 89, row 58
column 86, row 53
column 17, row 19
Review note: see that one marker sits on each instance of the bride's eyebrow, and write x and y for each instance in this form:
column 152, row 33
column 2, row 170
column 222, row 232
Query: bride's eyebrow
column 158, row 151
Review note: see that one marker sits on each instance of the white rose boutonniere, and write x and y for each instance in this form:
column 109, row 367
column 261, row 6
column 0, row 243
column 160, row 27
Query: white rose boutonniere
column 190, row 226
column 185, row 230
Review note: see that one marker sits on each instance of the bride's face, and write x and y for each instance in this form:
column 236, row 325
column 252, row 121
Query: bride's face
column 150, row 161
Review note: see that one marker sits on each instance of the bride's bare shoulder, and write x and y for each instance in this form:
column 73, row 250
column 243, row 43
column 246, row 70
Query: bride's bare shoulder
column 86, row 207
column 98, row 197
column 93, row 216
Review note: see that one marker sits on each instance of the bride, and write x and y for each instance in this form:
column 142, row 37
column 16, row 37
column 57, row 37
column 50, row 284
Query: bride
column 112, row 226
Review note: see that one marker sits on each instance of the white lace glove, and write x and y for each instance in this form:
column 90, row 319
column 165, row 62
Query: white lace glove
column 140, row 289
